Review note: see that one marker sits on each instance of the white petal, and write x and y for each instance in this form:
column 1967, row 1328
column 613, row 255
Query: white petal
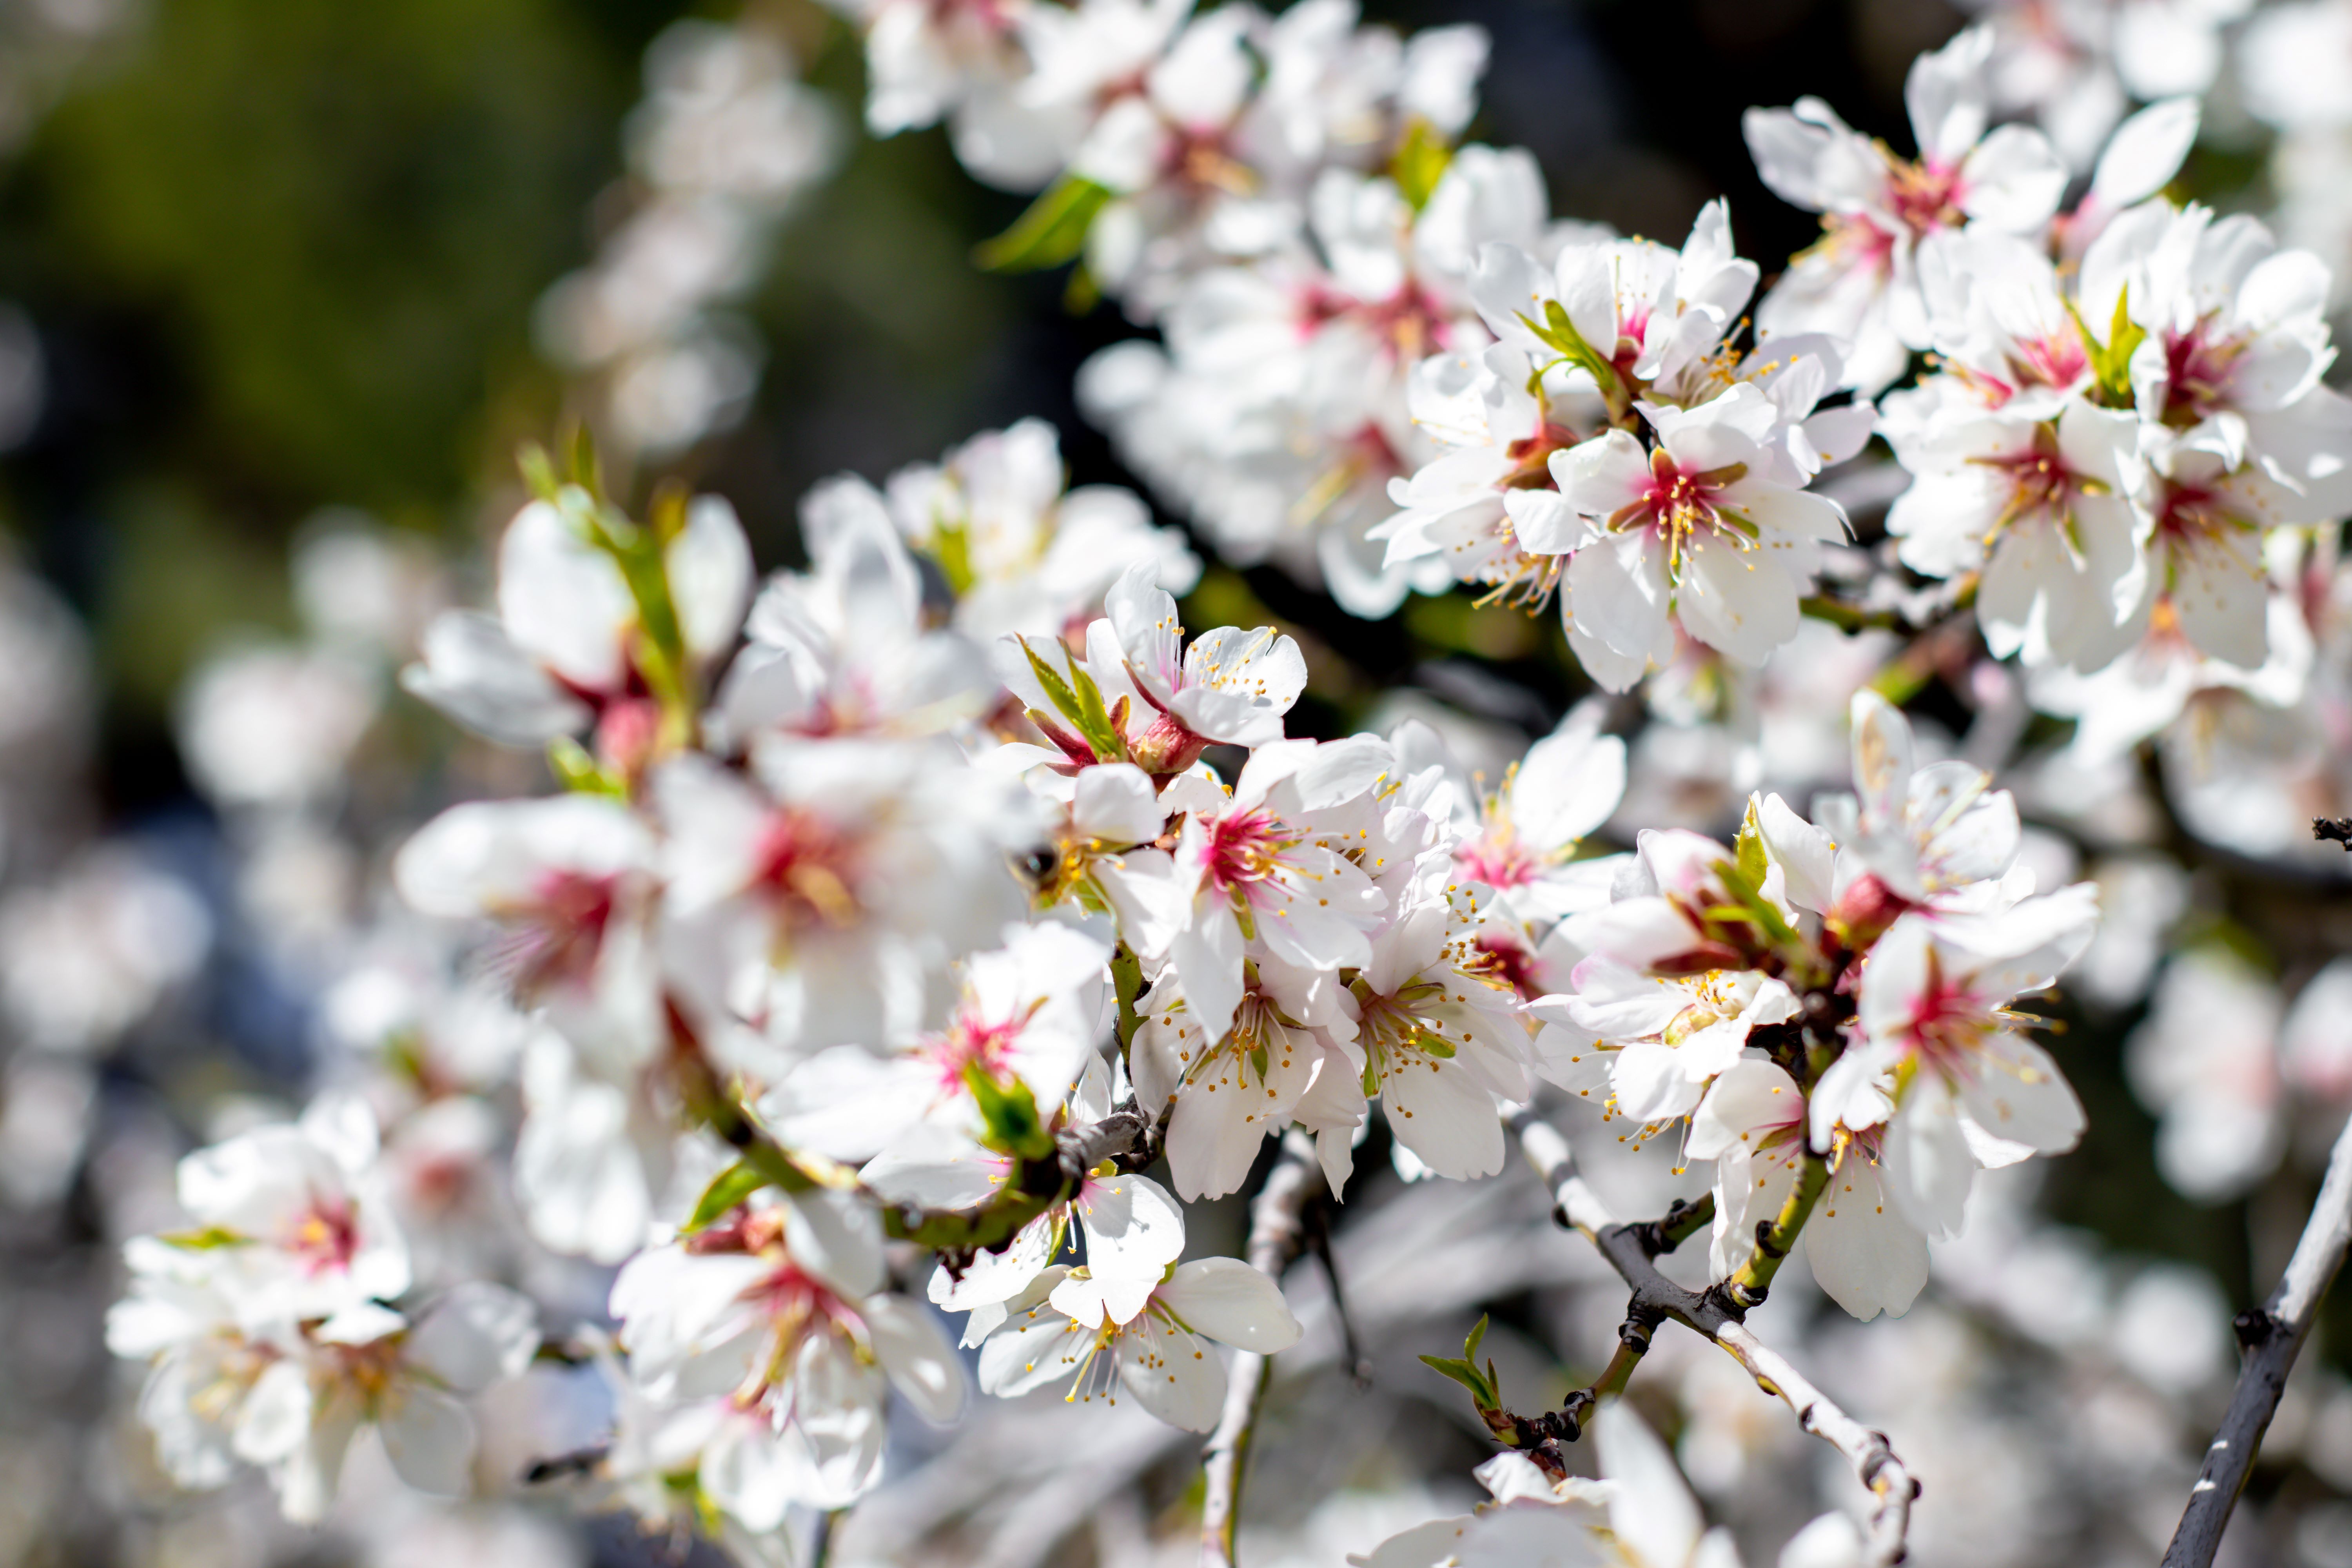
column 1227, row 1299
column 430, row 1440
column 1652, row 1510
column 1865, row 1254
column 920, row 1362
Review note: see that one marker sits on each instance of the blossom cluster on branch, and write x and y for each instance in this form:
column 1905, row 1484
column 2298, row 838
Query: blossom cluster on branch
column 933, row 928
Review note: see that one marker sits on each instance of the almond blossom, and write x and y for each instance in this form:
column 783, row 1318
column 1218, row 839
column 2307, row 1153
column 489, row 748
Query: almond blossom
column 1860, row 282
column 1161, row 1356
column 1944, row 1063
column 771, row 1343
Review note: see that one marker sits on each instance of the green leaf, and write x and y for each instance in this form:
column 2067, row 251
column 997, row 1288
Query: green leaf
column 1053, row 231
column 1743, row 877
column 1126, row 979
column 951, row 547
column 587, row 469
column 2110, row 360
column 1421, row 161
column 1009, row 1112
column 1464, row 1373
column 728, row 1188
column 209, row 1238
column 1083, row 707
column 577, row 772
column 1560, row 333
column 1485, row 1387
column 537, row 471
column 1747, row 849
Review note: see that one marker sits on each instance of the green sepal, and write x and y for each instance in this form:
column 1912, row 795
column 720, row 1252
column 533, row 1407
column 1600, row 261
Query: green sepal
column 1009, row 1112
column 727, row 1189
column 1053, row 231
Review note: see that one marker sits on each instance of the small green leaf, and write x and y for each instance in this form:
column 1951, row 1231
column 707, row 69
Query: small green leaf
column 1053, row 231
column 1561, row 335
column 2110, row 360
column 537, row 471
column 728, row 1188
column 1010, row 1114
column 1421, row 161
column 209, row 1238
column 577, row 772
column 1478, row 1332
column 587, row 469
column 951, row 547
column 1083, row 707
column 1464, row 1373
column 1748, row 849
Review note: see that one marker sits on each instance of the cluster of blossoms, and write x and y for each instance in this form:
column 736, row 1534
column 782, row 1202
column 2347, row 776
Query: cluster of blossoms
column 831, row 940
column 891, row 919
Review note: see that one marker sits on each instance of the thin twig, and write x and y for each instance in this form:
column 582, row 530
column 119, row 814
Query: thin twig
column 1632, row 1249
column 1278, row 1234
column 2271, row 1338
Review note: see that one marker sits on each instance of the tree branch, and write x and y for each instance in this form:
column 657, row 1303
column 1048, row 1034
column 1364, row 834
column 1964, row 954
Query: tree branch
column 1278, row 1234
column 1632, row 1251
column 2271, row 1338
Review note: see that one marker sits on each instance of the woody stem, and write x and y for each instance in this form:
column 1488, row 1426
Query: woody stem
column 1776, row 1236
column 1277, row 1235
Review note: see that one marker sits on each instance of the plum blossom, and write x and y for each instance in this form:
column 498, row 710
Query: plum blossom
column 819, row 902
column 846, row 648
column 569, row 882
column 1260, row 870
column 1652, row 1044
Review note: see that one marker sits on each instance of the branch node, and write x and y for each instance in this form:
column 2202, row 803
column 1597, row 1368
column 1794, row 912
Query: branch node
column 2252, row 1327
column 2333, row 830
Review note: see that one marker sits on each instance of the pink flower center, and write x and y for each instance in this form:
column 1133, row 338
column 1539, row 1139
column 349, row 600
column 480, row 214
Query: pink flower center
column 1411, row 321
column 808, row 868
column 1503, row 960
column 1498, row 859
column 1925, row 196
column 969, row 1042
column 1947, row 1022
column 2197, row 371
column 327, row 1236
column 562, row 928
column 1678, row 503
column 1244, row 847
column 2195, row 520
column 2041, row 485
